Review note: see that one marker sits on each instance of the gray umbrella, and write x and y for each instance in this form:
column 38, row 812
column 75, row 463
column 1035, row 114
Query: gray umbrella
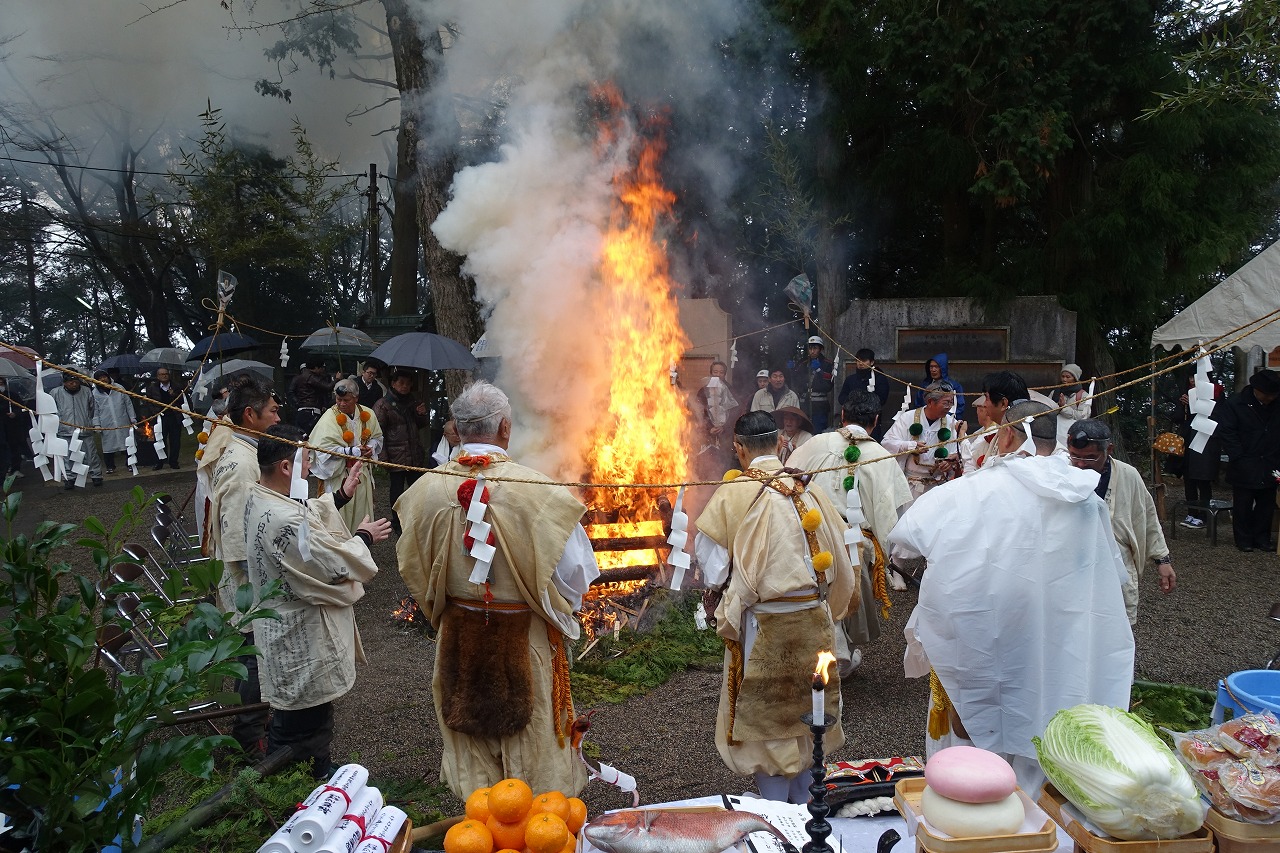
column 425, row 351
column 171, row 357
column 338, row 341
column 8, row 369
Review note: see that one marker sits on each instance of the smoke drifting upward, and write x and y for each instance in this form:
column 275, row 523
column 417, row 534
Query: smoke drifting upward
column 85, row 66
column 532, row 224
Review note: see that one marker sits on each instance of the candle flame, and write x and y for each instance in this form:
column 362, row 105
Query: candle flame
column 825, row 659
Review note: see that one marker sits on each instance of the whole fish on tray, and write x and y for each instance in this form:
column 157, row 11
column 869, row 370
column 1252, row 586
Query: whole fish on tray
column 663, row 831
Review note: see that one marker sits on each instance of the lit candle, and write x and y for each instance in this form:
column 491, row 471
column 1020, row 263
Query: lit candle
column 825, row 659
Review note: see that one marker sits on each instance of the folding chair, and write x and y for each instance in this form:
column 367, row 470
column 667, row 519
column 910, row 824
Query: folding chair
column 166, row 518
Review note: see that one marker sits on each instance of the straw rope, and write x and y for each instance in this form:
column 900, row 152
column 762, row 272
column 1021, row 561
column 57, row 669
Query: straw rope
column 1179, row 360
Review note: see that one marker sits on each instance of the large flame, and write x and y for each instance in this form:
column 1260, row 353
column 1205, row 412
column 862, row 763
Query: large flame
column 642, row 438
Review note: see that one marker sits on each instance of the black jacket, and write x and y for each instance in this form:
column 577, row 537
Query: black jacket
column 1250, row 435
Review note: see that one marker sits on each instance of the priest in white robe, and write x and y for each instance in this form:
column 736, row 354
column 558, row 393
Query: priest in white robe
column 1026, row 619
column 914, row 434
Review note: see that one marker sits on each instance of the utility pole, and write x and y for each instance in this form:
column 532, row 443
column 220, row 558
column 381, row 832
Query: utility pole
column 375, row 259
column 33, row 294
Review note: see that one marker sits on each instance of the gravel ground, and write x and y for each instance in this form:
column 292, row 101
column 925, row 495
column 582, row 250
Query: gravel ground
column 1214, row 623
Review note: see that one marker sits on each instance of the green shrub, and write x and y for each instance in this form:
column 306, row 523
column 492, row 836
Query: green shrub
column 79, row 757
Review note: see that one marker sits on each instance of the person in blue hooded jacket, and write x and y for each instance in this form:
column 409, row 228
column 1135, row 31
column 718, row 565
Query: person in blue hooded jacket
column 935, row 370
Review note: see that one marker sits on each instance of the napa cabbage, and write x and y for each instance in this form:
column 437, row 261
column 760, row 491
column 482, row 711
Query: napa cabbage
column 1115, row 769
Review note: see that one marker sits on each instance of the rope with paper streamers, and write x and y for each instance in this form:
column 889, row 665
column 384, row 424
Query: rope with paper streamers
column 1185, row 358
column 911, row 386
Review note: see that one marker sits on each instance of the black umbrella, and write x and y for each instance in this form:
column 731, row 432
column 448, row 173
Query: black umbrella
column 425, row 351
column 51, row 377
column 125, row 363
column 220, row 346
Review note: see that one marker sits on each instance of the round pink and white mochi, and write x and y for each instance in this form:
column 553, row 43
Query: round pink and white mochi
column 970, row 775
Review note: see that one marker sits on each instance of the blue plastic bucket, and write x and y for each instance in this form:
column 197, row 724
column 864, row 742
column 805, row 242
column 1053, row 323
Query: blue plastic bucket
column 1248, row 692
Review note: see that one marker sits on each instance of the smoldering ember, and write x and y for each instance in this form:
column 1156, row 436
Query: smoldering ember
column 567, row 426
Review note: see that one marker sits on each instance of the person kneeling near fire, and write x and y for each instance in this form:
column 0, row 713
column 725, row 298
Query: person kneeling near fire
column 775, row 550
column 309, row 652
column 503, row 604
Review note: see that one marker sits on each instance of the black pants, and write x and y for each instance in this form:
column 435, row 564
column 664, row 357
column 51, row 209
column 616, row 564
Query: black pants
column 1251, row 515
column 400, row 480
column 309, row 732
column 172, row 427
column 305, row 420
column 250, row 728
column 16, row 440
column 1198, row 492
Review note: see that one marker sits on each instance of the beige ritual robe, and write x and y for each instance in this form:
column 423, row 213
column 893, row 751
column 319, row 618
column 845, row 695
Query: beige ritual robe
column 331, row 468
column 1136, row 528
column 762, row 535
column 544, row 562
column 309, row 654
column 235, row 472
column 211, row 452
column 884, row 491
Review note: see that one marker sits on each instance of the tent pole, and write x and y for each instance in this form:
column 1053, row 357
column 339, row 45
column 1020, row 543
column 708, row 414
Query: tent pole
column 1157, row 476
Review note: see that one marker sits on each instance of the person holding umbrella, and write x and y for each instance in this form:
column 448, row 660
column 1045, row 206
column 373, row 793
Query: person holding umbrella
column 310, row 390
column 164, row 392
column 401, row 417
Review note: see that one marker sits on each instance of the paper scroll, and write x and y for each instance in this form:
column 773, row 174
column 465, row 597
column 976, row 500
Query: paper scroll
column 382, row 831
column 280, row 841
column 320, row 818
column 350, row 830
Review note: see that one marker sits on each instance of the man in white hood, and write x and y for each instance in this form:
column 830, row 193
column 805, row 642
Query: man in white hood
column 1026, row 619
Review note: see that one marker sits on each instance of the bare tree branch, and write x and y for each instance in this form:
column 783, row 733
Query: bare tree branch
column 351, row 75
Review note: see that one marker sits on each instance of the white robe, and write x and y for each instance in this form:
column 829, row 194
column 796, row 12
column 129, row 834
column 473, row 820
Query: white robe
column 309, row 654
column 919, row 468
column 1026, row 617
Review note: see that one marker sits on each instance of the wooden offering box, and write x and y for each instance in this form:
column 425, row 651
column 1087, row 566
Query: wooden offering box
column 907, row 799
column 1200, row 841
column 1236, row 836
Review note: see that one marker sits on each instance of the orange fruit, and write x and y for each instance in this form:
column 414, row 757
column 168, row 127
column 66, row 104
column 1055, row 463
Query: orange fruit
column 552, row 802
column 478, row 805
column 509, row 800
column 577, row 814
column 571, row 845
column 506, row 834
column 470, row 836
column 545, row 833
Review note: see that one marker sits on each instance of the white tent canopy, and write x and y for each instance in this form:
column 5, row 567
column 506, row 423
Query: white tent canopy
column 1250, row 293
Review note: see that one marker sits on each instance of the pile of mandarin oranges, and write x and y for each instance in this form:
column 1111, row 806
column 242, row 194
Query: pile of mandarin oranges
column 509, row 818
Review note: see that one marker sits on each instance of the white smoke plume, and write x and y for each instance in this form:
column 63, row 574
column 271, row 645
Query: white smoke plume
column 83, row 65
column 531, row 223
